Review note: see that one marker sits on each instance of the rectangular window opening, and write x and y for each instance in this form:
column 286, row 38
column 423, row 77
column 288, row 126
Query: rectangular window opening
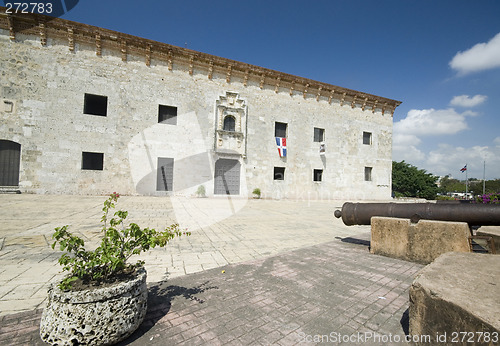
column 368, row 173
column 279, row 173
column 165, row 174
column 280, row 129
column 319, row 134
column 167, row 115
column 318, row 175
column 367, row 138
column 8, row 106
column 95, row 105
column 92, row 161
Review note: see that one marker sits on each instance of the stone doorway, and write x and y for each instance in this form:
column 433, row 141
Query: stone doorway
column 227, row 177
column 10, row 161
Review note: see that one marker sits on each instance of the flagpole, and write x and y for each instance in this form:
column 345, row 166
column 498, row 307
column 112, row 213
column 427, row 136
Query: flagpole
column 466, row 183
column 484, row 177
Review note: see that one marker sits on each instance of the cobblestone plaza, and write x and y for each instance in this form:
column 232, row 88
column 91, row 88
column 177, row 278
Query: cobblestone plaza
column 252, row 272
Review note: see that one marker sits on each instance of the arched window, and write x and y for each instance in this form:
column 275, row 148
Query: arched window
column 229, row 123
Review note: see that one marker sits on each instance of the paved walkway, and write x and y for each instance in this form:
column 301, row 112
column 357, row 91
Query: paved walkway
column 293, row 273
column 223, row 232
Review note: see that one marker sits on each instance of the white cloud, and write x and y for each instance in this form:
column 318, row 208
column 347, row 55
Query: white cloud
column 404, row 146
column 482, row 56
column 428, row 122
column 407, row 153
column 405, row 139
column 470, row 114
column 447, row 159
column 467, row 101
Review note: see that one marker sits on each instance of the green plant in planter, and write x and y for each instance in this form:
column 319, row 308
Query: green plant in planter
column 118, row 244
column 201, row 191
column 256, row 192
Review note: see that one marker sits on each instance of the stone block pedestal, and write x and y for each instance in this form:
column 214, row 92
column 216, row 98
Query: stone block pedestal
column 420, row 242
column 456, row 300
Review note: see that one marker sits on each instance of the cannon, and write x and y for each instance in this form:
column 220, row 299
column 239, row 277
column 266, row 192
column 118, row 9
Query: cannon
column 473, row 214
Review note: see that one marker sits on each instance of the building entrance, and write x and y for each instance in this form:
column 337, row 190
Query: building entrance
column 10, row 159
column 227, row 177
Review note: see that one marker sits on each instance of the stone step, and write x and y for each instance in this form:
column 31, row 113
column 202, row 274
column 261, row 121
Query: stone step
column 10, row 189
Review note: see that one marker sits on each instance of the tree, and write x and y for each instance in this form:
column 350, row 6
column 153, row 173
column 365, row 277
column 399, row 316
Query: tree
column 448, row 184
column 409, row 181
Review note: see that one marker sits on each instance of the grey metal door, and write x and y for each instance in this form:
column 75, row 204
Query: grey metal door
column 165, row 174
column 10, row 160
column 227, row 177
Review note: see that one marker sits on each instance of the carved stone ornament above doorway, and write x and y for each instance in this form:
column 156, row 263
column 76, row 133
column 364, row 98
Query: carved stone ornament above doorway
column 231, row 125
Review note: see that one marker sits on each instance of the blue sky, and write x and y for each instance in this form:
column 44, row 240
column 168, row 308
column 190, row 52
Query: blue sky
column 441, row 58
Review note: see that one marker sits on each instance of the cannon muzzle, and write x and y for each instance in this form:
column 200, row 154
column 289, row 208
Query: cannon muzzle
column 473, row 214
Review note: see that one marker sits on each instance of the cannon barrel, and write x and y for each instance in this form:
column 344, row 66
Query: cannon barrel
column 473, row 214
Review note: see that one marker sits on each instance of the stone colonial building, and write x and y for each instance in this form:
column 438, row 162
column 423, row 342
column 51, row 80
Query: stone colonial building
column 85, row 110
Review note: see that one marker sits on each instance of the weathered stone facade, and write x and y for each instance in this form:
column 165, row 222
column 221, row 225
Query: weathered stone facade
column 219, row 128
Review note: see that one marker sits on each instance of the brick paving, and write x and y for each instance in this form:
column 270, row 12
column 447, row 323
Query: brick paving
column 223, row 232
column 311, row 281
column 323, row 293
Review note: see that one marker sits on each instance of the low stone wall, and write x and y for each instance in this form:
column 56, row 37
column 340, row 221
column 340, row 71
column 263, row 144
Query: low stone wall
column 455, row 300
column 421, row 242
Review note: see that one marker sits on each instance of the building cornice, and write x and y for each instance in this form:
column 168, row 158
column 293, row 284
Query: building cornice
column 45, row 27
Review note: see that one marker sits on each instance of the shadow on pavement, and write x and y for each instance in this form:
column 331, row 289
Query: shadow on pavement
column 405, row 321
column 355, row 241
column 160, row 296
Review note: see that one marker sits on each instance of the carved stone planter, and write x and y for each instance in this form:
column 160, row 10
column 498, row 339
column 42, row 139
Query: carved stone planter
column 100, row 316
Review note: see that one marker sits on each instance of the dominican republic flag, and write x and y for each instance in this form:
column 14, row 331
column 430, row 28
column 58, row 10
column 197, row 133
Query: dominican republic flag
column 464, row 169
column 281, row 143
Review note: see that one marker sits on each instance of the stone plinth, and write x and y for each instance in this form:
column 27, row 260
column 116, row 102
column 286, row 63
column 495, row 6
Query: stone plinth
column 458, row 292
column 100, row 316
column 491, row 231
column 421, row 242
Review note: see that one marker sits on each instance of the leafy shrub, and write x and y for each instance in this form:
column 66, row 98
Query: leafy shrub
column 256, row 192
column 201, row 191
column 118, row 244
column 489, row 198
column 445, row 198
